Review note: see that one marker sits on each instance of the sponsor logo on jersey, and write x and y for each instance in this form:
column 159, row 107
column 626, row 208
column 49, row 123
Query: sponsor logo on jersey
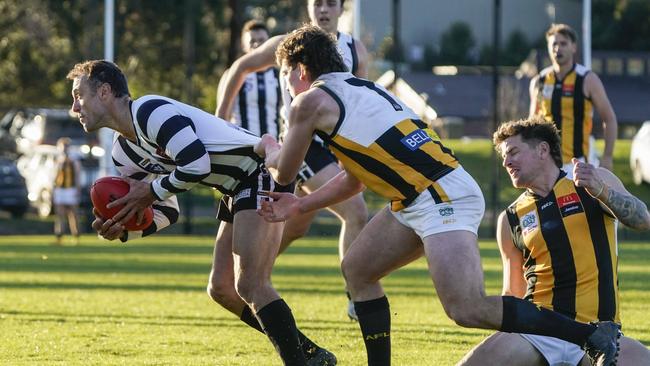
column 244, row 193
column 147, row 165
column 569, row 204
column 529, row 222
column 547, row 204
column 567, row 90
column 415, row 139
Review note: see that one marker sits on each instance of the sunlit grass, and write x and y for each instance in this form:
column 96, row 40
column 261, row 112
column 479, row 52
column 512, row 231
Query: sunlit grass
column 144, row 303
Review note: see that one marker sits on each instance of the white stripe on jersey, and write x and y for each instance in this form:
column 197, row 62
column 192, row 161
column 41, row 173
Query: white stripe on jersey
column 256, row 107
column 192, row 145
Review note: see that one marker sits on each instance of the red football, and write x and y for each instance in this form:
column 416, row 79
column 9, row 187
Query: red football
column 108, row 189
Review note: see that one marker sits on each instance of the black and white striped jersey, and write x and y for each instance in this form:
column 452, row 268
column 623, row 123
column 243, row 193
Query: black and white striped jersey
column 185, row 146
column 257, row 106
column 165, row 212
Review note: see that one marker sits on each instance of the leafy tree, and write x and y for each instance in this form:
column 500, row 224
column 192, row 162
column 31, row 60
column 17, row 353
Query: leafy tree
column 514, row 53
column 456, row 44
column 40, row 40
column 621, row 25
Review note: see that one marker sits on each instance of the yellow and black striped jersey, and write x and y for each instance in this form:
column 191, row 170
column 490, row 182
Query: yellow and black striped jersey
column 382, row 142
column 570, row 252
column 564, row 103
column 66, row 175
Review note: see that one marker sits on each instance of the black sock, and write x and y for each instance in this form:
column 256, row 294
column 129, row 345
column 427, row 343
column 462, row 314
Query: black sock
column 250, row 319
column 280, row 326
column 374, row 320
column 308, row 347
column 521, row 316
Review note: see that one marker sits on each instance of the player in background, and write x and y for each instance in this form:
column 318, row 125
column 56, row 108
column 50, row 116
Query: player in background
column 319, row 165
column 181, row 146
column 435, row 210
column 558, row 246
column 567, row 93
column 257, row 104
column 66, row 191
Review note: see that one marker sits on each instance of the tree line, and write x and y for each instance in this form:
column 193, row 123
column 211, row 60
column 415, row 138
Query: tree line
column 180, row 48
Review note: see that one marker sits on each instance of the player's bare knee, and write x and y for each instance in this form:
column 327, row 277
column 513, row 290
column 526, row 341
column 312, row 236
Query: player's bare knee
column 247, row 287
column 463, row 312
column 355, row 213
column 355, row 275
column 221, row 292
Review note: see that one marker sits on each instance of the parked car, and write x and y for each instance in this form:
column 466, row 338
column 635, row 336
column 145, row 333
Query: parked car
column 38, row 167
column 46, row 125
column 13, row 191
column 7, row 140
column 640, row 155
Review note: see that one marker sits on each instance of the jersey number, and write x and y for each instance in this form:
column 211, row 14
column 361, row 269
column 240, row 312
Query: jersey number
column 370, row 85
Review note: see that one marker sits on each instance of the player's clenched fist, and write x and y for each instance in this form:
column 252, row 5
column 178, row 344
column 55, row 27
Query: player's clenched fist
column 586, row 175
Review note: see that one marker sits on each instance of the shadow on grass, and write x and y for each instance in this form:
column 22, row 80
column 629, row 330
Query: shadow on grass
column 163, row 320
column 127, row 248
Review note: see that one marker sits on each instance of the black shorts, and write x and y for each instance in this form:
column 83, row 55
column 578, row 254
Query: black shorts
column 318, row 157
column 248, row 197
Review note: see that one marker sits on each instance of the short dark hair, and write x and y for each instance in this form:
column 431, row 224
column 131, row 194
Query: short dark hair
column 564, row 30
column 254, row 24
column 312, row 47
column 342, row 2
column 532, row 131
column 100, row 72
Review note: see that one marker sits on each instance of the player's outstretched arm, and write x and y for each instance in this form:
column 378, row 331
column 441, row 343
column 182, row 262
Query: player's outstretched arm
column 609, row 190
column 286, row 205
column 259, row 59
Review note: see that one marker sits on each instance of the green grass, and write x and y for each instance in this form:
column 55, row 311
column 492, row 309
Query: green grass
column 144, row 303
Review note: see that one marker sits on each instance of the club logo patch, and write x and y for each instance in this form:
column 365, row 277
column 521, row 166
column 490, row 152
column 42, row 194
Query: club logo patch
column 415, row 139
column 569, row 204
column 446, row 211
column 529, row 222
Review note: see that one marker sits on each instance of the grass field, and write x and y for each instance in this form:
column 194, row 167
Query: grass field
column 144, row 303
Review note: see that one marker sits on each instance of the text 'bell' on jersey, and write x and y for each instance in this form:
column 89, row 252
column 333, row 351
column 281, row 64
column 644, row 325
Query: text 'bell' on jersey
column 570, row 252
column 564, row 103
column 257, row 105
column 381, row 141
column 192, row 146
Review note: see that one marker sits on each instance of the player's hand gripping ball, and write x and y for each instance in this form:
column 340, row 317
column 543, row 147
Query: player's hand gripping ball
column 108, row 189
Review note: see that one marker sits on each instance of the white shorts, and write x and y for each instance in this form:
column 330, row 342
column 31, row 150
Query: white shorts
column 593, row 159
column 66, row 196
column 462, row 207
column 556, row 351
